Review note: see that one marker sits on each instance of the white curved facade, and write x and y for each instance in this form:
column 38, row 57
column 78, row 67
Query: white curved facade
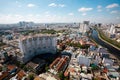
column 34, row 45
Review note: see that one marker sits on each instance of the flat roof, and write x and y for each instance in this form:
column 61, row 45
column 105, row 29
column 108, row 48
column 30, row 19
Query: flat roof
column 37, row 35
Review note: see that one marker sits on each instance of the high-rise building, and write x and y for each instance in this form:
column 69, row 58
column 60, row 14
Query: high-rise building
column 81, row 29
column 86, row 22
column 84, row 27
column 112, row 29
column 26, row 24
column 83, row 60
column 31, row 46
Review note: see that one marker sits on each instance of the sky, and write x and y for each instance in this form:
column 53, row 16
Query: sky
column 59, row 11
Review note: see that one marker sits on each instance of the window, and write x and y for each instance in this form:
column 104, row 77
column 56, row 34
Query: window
column 30, row 39
column 39, row 47
column 34, row 38
column 44, row 47
column 46, row 38
column 40, row 38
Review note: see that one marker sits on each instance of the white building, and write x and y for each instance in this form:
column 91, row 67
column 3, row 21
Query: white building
column 83, row 60
column 31, row 46
column 112, row 29
column 83, row 28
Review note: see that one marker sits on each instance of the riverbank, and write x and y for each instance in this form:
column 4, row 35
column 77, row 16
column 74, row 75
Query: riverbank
column 110, row 48
column 94, row 41
column 106, row 41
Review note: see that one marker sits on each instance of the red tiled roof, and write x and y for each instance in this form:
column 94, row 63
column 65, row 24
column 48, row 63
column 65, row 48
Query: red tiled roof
column 82, row 42
column 21, row 74
column 71, row 69
column 105, row 70
column 66, row 73
column 54, row 62
column 63, row 61
column 10, row 67
column 59, row 63
column 4, row 74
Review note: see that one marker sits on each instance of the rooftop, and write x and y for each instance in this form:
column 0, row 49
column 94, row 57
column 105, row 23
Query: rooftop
column 21, row 74
column 37, row 35
column 11, row 67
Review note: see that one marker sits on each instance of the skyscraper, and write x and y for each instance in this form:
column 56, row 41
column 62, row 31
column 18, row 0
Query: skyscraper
column 112, row 29
column 84, row 27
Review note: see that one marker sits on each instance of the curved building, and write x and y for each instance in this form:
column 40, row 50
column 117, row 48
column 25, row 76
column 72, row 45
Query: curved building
column 31, row 46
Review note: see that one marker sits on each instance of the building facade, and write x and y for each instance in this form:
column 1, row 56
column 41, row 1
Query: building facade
column 31, row 46
column 83, row 60
column 84, row 27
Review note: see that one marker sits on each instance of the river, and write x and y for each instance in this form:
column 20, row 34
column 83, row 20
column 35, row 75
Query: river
column 110, row 48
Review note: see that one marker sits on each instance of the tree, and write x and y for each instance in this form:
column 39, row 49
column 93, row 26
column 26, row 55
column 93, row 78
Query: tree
column 22, row 65
column 119, row 68
column 61, row 75
column 31, row 76
column 25, row 68
column 46, row 67
column 0, row 69
column 17, row 63
column 95, row 79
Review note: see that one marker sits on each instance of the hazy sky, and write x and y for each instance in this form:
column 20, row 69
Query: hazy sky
column 44, row 11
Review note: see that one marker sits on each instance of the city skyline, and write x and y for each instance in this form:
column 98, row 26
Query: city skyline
column 52, row 11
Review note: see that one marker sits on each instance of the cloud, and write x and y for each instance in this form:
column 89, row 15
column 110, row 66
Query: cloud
column 19, row 6
column 10, row 18
column 44, row 18
column 47, row 12
column 16, row 2
column 61, row 5
column 31, row 5
column 99, row 10
column 48, row 15
column 117, row 17
column 84, row 14
column 52, row 5
column 113, row 12
column 83, row 9
column 56, row 5
column 71, row 14
column 99, row 6
column 112, row 5
column 18, row 16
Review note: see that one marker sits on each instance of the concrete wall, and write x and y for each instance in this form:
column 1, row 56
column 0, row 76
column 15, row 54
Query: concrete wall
column 31, row 47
